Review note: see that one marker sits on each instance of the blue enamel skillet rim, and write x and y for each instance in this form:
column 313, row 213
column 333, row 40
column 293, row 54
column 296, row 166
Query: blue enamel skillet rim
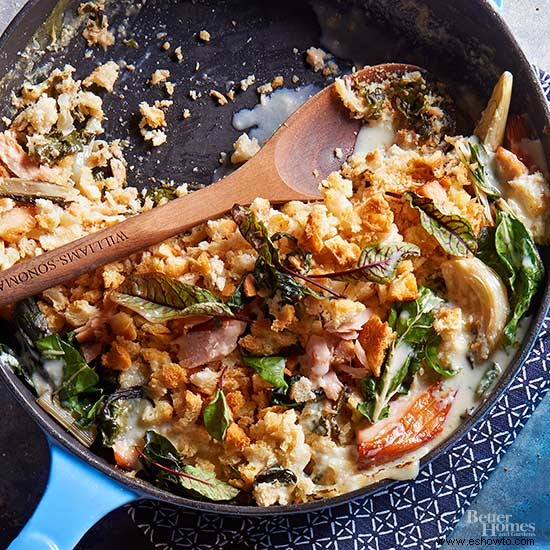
column 88, row 465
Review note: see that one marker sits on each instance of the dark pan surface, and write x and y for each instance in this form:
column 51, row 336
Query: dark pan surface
column 460, row 43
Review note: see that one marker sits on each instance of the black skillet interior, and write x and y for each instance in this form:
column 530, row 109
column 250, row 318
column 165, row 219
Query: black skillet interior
column 462, row 43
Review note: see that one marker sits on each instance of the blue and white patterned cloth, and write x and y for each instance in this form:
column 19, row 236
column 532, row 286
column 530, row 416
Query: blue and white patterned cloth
column 415, row 514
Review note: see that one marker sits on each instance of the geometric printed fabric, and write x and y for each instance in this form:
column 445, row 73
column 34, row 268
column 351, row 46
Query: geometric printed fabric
column 408, row 514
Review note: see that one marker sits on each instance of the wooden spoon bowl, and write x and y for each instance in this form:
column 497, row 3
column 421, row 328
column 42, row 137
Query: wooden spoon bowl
column 290, row 166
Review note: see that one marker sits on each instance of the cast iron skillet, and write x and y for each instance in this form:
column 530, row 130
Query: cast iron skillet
column 460, row 42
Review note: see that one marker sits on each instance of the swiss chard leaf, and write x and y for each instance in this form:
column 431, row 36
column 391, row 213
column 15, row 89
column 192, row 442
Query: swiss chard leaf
column 378, row 263
column 162, row 461
column 271, row 369
column 157, row 313
column 54, row 146
column 487, row 253
column 416, row 342
column 475, row 159
column 163, row 290
column 205, row 484
column 520, row 259
column 255, row 232
column 79, row 391
column 276, row 473
column 413, row 320
column 158, row 193
column 236, row 300
column 488, row 379
column 269, row 272
column 109, row 416
column 159, row 298
column 216, row 416
column 453, row 232
column 431, row 358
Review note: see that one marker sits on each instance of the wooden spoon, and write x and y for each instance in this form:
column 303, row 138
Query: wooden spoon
column 290, row 166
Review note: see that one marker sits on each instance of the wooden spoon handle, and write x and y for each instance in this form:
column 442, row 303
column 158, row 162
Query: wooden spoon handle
column 118, row 241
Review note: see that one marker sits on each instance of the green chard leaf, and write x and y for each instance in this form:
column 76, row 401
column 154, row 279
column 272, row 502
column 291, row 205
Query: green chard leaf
column 163, row 463
column 453, row 232
column 79, row 391
column 474, row 157
column 378, row 263
column 159, row 298
column 216, row 416
column 269, row 272
column 490, row 376
column 158, row 193
column 205, row 484
column 416, row 342
column 431, row 358
column 237, row 300
column 486, row 252
column 54, row 146
column 109, row 417
column 521, row 261
column 475, row 160
column 255, row 232
column 276, row 473
column 271, row 369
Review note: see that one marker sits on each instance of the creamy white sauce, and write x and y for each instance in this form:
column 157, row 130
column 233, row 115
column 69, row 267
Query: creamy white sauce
column 465, row 403
column 262, row 121
column 376, row 135
column 272, row 111
column 54, row 369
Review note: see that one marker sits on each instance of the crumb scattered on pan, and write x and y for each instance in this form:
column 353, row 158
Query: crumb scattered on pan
column 159, row 76
column 278, row 82
column 204, row 36
column 245, row 83
column 97, row 31
column 178, row 54
column 265, row 88
column 194, row 95
column 319, row 60
column 152, row 120
column 219, row 97
column 186, row 113
column 103, row 76
column 165, row 46
column 244, row 149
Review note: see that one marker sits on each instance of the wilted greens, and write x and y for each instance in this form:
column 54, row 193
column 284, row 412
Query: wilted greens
column 510, row 250
column 164, row 465
column 378, row 263
column 453, row 232
column 271, row 369
column 216, row 416
column 159, row 298
column 270, row 272
column 416, row 343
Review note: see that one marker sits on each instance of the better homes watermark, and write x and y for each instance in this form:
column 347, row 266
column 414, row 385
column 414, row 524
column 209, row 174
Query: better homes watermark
column 500, row 525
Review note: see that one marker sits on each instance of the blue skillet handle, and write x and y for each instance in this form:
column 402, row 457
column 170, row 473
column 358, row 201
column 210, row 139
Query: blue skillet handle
column 76, row 497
